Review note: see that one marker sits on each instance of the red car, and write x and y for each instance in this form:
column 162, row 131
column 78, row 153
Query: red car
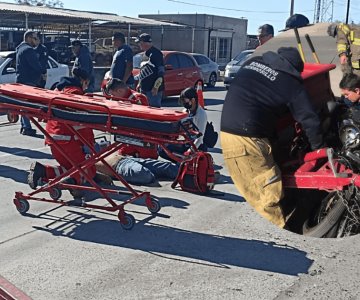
column 181, row 71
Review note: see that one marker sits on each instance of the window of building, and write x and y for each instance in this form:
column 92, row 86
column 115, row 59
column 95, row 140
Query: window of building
column 224, row 48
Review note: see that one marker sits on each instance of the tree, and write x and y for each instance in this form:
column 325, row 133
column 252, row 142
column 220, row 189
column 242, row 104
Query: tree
column 50, row 3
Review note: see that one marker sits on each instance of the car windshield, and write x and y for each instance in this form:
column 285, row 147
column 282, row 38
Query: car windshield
column 243, row 59
column 241, row 55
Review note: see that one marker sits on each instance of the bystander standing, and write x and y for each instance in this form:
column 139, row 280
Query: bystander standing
column 151, row 78
column 84, row 62
column 28, row 71
column 122, row 64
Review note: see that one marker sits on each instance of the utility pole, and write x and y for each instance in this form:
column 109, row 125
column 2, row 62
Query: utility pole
column 347, row 12
column 291, row 7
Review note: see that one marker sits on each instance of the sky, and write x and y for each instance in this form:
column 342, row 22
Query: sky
column 257, row 12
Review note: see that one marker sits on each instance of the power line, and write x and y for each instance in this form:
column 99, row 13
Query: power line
column 234, row 9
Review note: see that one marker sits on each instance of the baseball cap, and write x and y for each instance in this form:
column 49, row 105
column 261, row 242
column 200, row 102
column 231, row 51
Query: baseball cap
column 144, row 37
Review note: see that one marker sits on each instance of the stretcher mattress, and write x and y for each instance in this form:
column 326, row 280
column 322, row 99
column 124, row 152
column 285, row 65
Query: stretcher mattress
column 92, row 109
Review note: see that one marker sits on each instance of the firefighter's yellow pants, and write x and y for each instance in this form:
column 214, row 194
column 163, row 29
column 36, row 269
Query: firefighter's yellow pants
column 256, row 175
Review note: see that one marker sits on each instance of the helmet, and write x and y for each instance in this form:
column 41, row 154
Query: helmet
column 332, row 30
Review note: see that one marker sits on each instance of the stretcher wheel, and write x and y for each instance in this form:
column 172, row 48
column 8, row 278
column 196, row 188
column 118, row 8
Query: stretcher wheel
column 12, row 118
column 55, row 193
column 23, row 206
column 155, row 206
column 130, row 222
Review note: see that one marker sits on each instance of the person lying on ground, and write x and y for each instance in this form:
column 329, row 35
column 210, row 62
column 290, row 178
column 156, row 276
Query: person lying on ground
column 139, row 171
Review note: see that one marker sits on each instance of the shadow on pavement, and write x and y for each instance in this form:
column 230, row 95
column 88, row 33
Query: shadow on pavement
column 15, row 174
column 187, row 246
column 25, row 152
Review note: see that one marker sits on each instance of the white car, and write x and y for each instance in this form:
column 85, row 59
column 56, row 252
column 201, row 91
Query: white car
column 8, row 68
column 209, row 68
column 234, row 65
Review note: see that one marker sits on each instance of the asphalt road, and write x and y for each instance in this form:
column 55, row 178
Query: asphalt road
column 196, row 248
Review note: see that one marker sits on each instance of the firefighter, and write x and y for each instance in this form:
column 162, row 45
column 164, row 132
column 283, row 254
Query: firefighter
column 264, row 89
column 348, row 46
column 62, row 135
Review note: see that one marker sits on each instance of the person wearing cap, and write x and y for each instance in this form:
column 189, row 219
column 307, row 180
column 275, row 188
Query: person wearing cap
column 151, row 77
column 265, row 33
column 264, row 89
column 122, row 64
column 28, row 71
column 348, row 46
column 83, row 61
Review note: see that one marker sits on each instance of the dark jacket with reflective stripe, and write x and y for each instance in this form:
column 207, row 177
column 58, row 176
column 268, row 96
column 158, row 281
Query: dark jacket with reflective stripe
column 264, row 90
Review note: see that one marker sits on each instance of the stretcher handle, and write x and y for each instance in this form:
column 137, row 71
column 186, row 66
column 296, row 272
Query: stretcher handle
column 299, row 44
column 91, row 105
column 312, row 48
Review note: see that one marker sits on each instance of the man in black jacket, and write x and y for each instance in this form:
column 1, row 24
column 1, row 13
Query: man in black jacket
column 28, row 71
column 265, row 88
column 42, row 53
column 83, row 61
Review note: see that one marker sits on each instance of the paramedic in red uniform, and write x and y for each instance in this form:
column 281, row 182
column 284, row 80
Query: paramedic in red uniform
column 69, row 142
column 117, row 88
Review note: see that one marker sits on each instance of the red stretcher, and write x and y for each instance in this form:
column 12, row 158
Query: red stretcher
column 130, row 123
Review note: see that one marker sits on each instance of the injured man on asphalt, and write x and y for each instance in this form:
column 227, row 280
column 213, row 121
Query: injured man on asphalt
column 139, row 171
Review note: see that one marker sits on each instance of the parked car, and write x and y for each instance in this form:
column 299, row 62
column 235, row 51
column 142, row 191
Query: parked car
column 234, row 65
column 181, row 71
column 209, row 69
column 8, row 68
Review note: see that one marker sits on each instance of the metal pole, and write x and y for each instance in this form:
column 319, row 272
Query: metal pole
column 347, row 12
column 89, row 39
column 129, row 34
column 26, row 21
column 193, row 39
column 291, row 7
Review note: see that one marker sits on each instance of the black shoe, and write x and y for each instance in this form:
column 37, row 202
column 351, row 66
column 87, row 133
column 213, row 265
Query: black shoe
column 37, row 172
column 28, row 131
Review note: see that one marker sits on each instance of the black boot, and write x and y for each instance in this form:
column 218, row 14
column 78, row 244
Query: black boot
column 37, row 172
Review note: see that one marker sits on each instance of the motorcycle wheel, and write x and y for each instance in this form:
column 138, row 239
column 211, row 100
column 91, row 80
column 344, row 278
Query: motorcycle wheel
column 326, row 220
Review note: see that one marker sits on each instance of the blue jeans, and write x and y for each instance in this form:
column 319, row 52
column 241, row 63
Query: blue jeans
column 25, row 123
column 154, row 101
column 145, row 170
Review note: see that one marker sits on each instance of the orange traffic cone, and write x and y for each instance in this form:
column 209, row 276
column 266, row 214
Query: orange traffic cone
column 200, row 94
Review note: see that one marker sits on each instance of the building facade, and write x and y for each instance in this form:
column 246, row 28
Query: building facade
column 220, row 38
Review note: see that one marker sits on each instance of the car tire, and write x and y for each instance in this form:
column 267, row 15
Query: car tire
column 212, row 80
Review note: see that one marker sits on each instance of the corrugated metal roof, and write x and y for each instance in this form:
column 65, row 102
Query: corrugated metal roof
column 75, row 14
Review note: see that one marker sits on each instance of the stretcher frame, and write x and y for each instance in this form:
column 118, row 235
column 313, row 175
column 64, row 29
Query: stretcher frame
column 36, row 113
